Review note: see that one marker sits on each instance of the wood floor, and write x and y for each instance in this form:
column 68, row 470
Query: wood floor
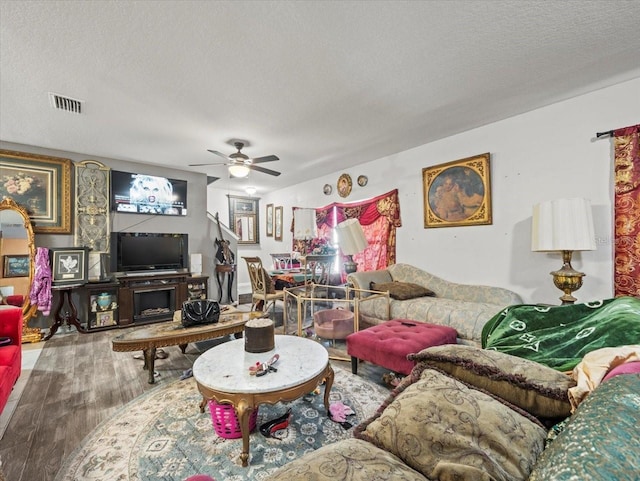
column 78, row 382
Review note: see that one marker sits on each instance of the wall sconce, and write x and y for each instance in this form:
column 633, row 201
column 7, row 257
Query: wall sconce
column 352, row 241
column 564, row 225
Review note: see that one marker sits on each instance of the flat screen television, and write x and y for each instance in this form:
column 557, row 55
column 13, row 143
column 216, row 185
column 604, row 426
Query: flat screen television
column 147, row 194
column 148, row 252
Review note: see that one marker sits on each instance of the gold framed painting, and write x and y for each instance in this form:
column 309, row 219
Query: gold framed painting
column 40, row 184
column 344, row 185
column 458, row 193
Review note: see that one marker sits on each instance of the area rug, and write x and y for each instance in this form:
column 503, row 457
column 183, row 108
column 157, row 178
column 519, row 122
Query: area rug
column 162, row 435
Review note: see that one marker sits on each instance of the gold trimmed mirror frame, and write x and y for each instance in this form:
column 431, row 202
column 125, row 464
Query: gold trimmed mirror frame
column 17, row 240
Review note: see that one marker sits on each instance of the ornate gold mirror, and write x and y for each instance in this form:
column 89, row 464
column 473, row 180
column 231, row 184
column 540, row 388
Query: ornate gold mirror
column 17, row 254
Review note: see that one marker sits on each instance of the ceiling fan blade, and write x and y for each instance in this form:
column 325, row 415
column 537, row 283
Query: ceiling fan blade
column 266, row 158
column 209, row 163
column 263, row 170
column 219, row 153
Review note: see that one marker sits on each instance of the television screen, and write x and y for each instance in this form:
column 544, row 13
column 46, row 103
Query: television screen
column 140, row 251
column 147, row 194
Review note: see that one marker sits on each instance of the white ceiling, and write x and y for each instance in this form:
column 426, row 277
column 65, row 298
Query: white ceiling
column 323, row 85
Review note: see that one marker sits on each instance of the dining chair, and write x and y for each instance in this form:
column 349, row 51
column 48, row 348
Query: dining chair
column 263, row 292
column 282, row 261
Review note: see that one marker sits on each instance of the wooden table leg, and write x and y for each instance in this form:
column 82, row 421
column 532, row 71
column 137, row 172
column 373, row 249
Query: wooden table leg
column 149, row 362
column 244, row 410
column 328, row 382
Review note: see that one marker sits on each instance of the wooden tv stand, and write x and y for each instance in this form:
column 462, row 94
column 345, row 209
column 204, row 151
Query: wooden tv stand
column 138, row 293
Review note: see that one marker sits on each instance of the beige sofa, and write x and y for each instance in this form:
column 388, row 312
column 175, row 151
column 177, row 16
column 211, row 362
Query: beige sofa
column 469, row 414
column 464, row 307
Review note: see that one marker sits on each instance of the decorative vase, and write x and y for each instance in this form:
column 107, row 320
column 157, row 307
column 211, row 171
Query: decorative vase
column 104, row 300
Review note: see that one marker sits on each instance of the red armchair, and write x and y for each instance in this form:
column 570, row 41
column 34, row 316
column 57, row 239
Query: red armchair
column 10, row 350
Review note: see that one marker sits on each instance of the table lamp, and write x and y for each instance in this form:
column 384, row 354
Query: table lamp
column 352, row 241
column 564, row 225
column 304, row 225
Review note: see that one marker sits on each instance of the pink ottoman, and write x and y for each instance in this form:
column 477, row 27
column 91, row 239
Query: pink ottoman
column 389, row 343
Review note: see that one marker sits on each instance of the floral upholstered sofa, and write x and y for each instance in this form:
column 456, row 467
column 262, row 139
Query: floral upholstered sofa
column 464, row 307
column 468, row 414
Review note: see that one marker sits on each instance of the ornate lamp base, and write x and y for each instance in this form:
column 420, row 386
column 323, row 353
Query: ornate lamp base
column 567, row 279
column 350, row 266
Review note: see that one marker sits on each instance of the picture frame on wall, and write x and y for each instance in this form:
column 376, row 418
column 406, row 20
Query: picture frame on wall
column 458, row 193
column 42, row 185
column 277, row 219
column 16, row 266
column 244, row 218
column 269, row 220
column 69, row 265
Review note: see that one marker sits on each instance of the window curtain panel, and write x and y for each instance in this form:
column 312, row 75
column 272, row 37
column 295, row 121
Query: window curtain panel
column 627, row 211
column 379, row 217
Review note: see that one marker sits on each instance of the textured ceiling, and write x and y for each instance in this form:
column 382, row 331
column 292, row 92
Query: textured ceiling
column 323, row 85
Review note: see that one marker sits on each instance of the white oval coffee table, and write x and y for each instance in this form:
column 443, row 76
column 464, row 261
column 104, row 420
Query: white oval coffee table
column 222, row 373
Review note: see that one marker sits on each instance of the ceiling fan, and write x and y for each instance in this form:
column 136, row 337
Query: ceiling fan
column 240, row 164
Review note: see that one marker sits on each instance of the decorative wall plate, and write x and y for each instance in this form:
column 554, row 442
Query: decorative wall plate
column 344, row 185
column 362, row 180
column 327, row 189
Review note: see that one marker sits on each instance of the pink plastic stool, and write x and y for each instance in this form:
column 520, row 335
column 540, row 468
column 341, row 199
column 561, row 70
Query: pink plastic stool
column 200, row 477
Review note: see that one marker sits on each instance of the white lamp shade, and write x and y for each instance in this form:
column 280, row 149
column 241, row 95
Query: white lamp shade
column 238, row 170
column 304, row 224
column 351, row 237
column 563, row 225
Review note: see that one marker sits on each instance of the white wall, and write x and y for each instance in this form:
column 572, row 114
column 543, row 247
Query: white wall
column 540, row 155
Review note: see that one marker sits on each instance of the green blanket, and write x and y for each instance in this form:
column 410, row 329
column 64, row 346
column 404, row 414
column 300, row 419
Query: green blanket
column 560, row 336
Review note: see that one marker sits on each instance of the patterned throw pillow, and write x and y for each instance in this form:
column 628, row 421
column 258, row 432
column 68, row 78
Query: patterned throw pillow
column 402, row 291
column 600, row 440
column 537, row 389
column 447, row 430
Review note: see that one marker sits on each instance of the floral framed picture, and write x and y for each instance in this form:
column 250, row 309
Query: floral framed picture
column 458, row 193
column 40, row 184
column 277, row 223
column 69, row 265
column 16, row 266
column 269, row 220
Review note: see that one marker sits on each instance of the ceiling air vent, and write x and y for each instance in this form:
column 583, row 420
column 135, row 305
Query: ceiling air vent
column 66, row 104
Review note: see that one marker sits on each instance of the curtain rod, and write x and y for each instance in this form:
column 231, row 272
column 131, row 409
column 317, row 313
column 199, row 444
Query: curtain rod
column 609, row 133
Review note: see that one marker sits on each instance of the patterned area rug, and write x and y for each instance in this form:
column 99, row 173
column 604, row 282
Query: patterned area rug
column 162, row 435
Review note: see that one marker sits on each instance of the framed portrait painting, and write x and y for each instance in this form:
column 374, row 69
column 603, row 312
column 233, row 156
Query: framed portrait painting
column 458, row 193
column 40, row 184
column 69, row 265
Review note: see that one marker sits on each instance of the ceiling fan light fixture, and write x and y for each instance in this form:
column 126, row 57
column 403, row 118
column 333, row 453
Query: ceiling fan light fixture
column 238, row 170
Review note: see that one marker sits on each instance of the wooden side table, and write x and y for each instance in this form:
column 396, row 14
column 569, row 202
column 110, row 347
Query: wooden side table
column 67, row 317
column 228, row 271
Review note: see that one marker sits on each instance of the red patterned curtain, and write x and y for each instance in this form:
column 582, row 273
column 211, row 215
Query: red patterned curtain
column 379, row 218
column 627, row 211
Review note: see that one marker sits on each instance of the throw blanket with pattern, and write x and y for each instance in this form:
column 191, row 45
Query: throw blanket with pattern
column 560, row 336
